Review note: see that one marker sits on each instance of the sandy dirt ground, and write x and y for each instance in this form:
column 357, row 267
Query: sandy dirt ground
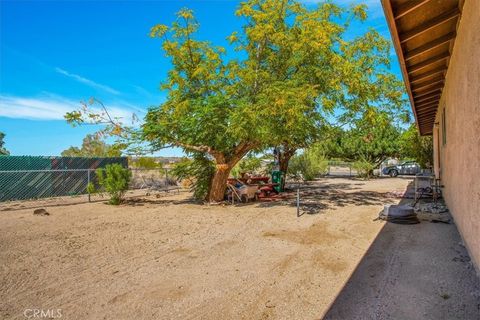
column 170, row 258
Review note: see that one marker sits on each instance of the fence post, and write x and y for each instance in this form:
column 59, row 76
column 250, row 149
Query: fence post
column 298, row 202
column 88, row 184
column 166, row 178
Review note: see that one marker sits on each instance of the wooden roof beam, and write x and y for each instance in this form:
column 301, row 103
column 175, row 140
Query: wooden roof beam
column 424, row 93
column 428, row 123
column 427, row 131
column 425, row 101
column 430, row 24
column 428, row 62
column 428, row 74
column 409, row 7
column 421, row 105
column 427, row 97
column 427, row 84
column 430, row 46
column 425, row 106
column 425, row 109
column 428, row 128
column 427, row 120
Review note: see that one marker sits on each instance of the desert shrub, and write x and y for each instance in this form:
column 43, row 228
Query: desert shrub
column 198, row 171
column 114, row 180
column 146, row 163
column 308, row 165
column 91, row 188
column 364, row 168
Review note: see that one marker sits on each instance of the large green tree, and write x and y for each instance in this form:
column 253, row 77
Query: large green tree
column 3, row 151
column 296, row 71
column 417, row 147
column 205, row 111
column 371, row 139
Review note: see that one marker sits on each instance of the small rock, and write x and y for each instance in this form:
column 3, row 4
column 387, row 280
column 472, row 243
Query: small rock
column 41, row 212
column 445, row 296
column 269, row 304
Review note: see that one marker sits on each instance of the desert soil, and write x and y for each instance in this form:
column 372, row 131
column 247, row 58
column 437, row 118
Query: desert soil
column 170, row 258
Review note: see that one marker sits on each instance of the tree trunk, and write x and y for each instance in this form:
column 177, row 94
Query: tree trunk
column 283, row 164
column 219, row 183
column 283, row 160
column 223, row 167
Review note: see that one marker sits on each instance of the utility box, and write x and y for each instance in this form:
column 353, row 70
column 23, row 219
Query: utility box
column 277, row 177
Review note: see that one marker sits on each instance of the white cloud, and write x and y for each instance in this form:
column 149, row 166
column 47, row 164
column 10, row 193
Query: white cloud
column 52, row 108
column 88, row 82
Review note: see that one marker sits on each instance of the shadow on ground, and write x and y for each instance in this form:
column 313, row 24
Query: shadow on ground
column 315, row 197
column 419, row 271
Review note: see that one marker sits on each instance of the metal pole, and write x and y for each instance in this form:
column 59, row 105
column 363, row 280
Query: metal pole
column 88, row 184
column 166, row 178
column 298, row 202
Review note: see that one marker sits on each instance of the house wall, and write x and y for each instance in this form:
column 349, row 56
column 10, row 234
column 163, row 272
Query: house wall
column 459, row 157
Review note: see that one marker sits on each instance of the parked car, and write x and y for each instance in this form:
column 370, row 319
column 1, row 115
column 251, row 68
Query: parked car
column 407, row 168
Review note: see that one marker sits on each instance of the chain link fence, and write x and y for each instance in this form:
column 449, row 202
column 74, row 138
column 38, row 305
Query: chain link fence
column 18, row 185
column 341, row 169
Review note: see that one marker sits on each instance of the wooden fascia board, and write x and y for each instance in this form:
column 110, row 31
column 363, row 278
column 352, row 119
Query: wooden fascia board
column 387, row 9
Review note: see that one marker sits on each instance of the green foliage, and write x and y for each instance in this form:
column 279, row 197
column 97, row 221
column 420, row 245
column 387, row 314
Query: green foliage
column 364, row 168
column 145, row 163
column 419, row 148
column 369, row 141
column 200, row 170
column 128, row 137
column 297, row 71
column 91, row 188
column 250, row 164
column 114, row 180
column 93, row 146
column 3, row 151
column 308, row 165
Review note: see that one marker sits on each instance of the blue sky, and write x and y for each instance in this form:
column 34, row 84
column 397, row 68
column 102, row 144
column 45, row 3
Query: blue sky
column 54, row 54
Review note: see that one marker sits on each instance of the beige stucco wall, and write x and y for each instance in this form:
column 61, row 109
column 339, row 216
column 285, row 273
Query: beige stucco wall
column 460, row 157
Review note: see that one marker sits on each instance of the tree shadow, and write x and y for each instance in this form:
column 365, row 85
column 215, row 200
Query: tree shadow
column 411, row 272
column 141, row 201
column 315, row 197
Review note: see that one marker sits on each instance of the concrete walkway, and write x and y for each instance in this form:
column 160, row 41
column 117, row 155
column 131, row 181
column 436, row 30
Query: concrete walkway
column 412, row 272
